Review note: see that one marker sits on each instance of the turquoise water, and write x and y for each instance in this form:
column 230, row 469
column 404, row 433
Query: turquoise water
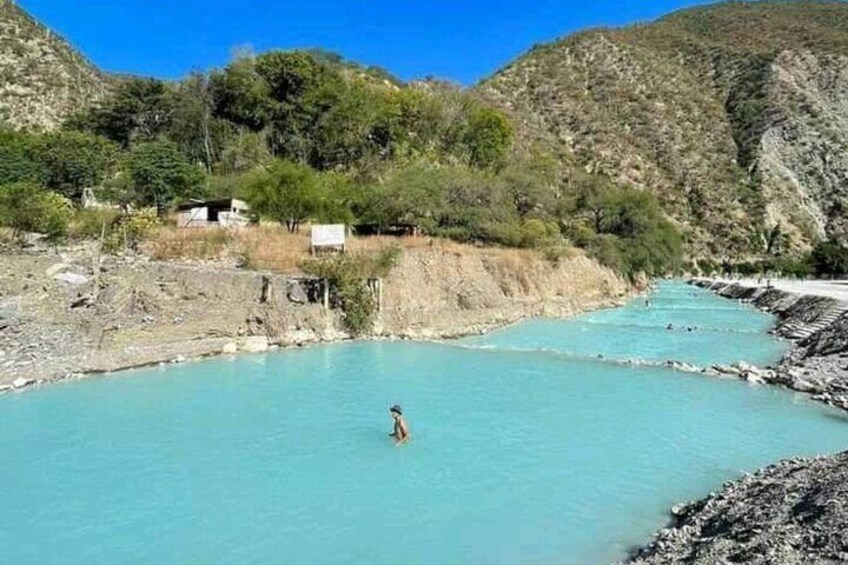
column 517, row 456
column 722, row 332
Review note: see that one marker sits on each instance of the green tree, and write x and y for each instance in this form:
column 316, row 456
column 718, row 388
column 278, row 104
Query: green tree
column 829, row 259
column 240, row 95
column 75, row 161
column 159, row 173
column 192, row 125
column 26, row 207
column 303, row 90
column 487, row 137
column 139, row 109
column 285, row 192
column 19, row 160
column 351, row 130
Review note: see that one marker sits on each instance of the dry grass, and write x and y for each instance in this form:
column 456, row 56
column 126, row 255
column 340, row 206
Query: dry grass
column 272, row 248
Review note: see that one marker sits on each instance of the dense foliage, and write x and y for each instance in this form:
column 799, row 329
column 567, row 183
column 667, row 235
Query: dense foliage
column 829, row 259
column 27, row 207
column 306, row 136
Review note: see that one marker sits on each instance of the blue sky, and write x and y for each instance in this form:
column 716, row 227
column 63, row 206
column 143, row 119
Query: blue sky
column 461, row 40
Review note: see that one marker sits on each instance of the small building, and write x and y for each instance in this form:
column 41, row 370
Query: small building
column 229, row 213
column 328, row 237
column 397, row 229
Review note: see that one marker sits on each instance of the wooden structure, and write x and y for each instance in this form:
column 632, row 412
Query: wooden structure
column 397, row 229
column 229, row 213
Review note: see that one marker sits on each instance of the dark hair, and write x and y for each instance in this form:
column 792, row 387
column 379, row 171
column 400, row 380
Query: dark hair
column 397, row 409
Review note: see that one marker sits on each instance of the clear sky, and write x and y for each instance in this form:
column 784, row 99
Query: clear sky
column 461, row 40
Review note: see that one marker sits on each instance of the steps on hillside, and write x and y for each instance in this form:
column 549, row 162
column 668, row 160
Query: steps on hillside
column 800, row 331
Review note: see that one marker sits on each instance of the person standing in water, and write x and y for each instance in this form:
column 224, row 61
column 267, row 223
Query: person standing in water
column 401, row 431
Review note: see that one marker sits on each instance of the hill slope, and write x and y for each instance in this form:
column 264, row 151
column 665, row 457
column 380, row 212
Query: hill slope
column 734, row 114
column 42, row 78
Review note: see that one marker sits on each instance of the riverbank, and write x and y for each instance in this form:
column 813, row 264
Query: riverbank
column 70, row 313
column 816, row 321
column 795, row 511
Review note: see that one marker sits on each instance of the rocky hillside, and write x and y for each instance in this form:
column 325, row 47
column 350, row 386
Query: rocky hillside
column 42, row 78
column 735, row 114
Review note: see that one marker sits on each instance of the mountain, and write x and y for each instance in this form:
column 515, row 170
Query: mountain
column 43, row 79
column 734, row 114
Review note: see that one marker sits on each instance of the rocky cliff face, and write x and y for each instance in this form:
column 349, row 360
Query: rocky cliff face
column 42, row 78
column 734, row 114
column 60, row 315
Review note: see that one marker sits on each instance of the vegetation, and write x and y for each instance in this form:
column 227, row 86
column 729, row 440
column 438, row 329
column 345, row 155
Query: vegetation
column 348, row 277
column 306, row 137
column 27, row 207
column 829, row 259
column 159, row 173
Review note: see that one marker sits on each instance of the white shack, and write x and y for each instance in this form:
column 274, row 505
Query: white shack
column 229, row 213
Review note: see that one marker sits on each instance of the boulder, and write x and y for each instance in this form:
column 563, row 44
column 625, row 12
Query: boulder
column 230, row 348
column 803, row 385
column 754, row 377
column 296, row 294
column 73, row 279
column 255, row 344
column 21, row 382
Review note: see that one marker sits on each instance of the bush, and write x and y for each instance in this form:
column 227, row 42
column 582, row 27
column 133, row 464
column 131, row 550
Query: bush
column 131, row 229
column 26, row 207
column 347, row 276
column 91, row 223
column 829, row 259
column 533, row 232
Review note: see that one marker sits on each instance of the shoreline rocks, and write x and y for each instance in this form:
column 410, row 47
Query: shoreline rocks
column 818, row 327
column 796, row 511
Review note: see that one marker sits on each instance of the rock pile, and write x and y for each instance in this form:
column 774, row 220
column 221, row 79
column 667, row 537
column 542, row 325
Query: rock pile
column 795, row 512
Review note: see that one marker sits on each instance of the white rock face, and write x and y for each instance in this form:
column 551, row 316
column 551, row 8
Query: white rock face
column 255, row 344
column 73, row 279
column 230, row 348
column 22, row 382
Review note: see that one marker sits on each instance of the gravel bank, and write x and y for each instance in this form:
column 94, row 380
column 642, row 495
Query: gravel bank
column 794, row 512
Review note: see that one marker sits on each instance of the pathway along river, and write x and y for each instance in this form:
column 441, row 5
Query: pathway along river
column 526, row 447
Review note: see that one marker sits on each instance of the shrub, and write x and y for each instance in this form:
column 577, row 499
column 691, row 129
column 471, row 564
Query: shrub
column 26, row 207
column 91, row 223
column 347, row 276
column 131, row 229
column 829, row 259
column 533, row 232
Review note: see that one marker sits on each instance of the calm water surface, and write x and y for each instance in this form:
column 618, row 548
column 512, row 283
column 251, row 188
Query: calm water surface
column 525, row 450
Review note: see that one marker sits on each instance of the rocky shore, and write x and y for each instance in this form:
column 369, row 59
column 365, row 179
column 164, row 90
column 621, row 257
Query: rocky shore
column 794, row 512
column 818, row 327
column 69, row 313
